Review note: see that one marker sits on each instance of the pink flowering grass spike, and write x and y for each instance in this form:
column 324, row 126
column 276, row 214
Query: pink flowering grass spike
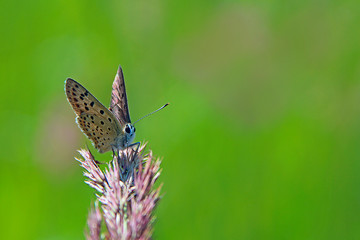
column 125, row 193
column 94, row 223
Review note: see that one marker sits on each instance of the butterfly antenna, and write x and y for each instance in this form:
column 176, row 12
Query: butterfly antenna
column 151, row 113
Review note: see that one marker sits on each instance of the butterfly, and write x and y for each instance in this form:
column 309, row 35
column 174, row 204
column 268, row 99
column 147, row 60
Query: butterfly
column 108, row 129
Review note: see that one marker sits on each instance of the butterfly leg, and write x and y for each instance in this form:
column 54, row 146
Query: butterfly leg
column 115, row 152
column 137, row 148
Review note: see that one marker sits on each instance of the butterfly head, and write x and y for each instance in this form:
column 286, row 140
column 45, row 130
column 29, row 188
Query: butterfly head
column 129, row 131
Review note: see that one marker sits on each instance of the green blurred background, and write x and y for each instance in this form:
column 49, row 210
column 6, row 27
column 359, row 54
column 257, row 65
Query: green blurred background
column 261, row 140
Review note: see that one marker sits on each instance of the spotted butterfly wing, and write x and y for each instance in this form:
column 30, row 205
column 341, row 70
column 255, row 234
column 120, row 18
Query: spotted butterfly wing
column 118, row 104
column 93, row 118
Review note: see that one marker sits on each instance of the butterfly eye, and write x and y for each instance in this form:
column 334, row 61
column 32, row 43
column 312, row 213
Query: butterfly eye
column 127, row 129
column 134, row 129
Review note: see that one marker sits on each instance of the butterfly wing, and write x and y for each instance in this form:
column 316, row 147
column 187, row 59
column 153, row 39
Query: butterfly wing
column 93, row 118
column 118, row 104
column 100, row 132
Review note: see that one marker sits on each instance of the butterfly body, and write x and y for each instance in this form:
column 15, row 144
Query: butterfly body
column 107, row 129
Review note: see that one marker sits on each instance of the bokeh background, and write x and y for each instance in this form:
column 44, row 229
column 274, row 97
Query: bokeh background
column 262, row 137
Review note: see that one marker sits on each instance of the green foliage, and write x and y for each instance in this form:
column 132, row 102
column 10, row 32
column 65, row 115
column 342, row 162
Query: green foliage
column 261, row 140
